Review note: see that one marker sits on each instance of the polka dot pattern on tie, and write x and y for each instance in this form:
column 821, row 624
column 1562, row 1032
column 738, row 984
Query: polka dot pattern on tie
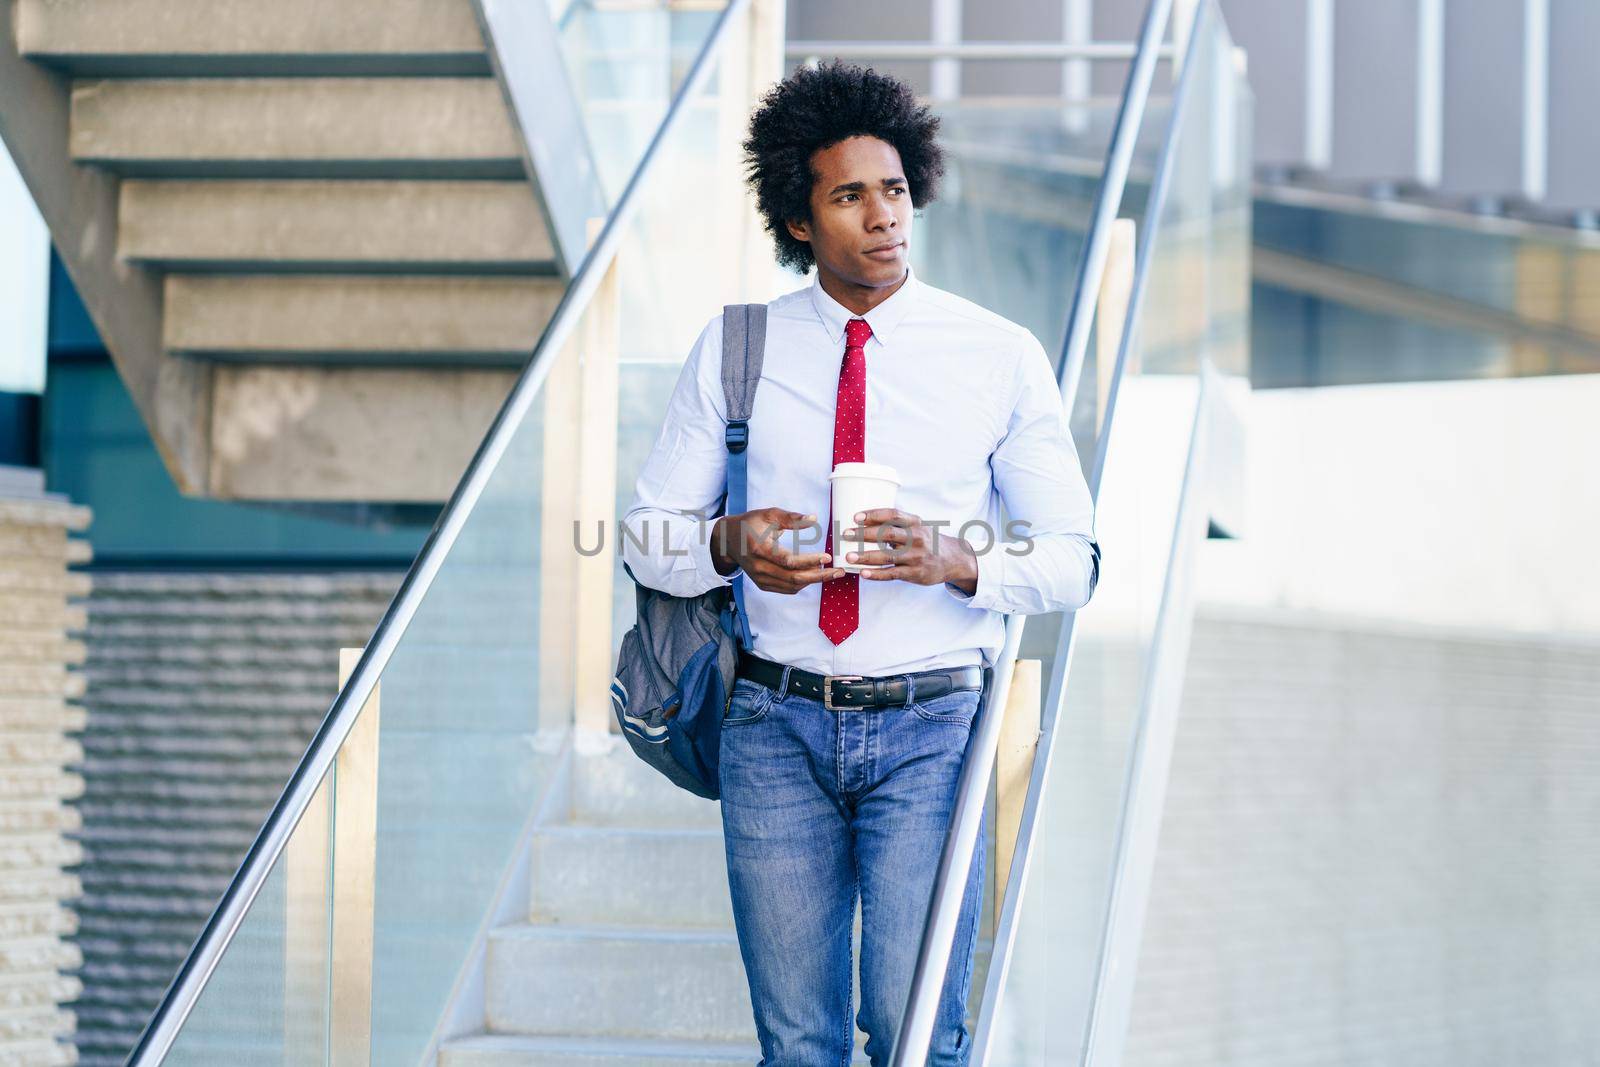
column 839, row 614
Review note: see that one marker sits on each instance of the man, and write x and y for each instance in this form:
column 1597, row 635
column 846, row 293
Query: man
column 833, row 787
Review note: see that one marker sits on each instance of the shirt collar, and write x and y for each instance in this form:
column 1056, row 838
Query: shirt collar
column 883, row 318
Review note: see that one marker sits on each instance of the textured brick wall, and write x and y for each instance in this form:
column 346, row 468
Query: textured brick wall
column 1381, row 846
column 203, row 690
column 38, row 681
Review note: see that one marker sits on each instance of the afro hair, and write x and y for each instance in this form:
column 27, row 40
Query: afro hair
column 816, row 107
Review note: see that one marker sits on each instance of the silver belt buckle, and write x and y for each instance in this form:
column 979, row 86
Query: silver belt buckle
column 827, row 688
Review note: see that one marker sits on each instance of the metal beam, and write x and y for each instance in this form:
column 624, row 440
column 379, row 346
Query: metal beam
column 997, row 50
column 1384, row 296
column 526, row 52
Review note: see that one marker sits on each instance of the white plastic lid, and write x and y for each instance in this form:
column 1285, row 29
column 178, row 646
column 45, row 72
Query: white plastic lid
column 865, row 470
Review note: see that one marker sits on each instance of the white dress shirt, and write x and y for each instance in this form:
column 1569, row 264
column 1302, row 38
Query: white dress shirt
column 960, row 401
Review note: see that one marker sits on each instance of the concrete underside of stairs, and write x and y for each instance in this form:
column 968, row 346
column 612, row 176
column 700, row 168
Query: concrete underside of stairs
column 288, row 431
column 305, row 231
column 296, row 127
column 388, row 226
column 351, row 318
column 286, row 36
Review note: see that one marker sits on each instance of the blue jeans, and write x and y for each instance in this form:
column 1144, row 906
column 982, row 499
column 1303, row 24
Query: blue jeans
column 817, row 806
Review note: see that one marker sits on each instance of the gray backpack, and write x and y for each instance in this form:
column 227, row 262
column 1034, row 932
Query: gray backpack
column 675, row 670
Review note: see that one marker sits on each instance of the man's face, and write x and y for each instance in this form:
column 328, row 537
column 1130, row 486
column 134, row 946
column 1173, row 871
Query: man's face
column 860, row 204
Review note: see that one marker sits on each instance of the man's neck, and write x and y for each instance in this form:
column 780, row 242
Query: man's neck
column 857, row 299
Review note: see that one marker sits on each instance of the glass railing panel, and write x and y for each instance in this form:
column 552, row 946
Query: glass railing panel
column 270, row 1004
column 625, row 64
column 461, row 762
column 1130, row 145
column 1052, row 980
column 1011, row 231
column 1009, row 227
column 1008, row 230
column 477, row 698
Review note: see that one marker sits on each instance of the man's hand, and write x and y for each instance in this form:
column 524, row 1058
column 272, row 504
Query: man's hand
column 917, row 553
column 750, row 541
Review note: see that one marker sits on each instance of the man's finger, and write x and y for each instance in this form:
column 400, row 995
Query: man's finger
column 872, row 515
column 884, row 534
column 793, row 561
column 768, row 527
column 819, row 574
column 874, row 557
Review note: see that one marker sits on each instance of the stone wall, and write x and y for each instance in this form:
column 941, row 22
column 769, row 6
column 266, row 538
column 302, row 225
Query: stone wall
column 1381, row 845
column 39, row 680
column 203, row 690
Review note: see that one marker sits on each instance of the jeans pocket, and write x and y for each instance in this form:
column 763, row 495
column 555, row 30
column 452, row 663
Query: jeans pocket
column 748, row 703
column 960, row 706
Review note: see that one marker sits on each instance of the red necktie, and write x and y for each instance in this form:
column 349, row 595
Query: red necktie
column 841, row 596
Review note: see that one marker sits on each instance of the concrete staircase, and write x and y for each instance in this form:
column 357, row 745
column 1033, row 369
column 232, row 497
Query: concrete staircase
column 304, row 229
column 628, row 954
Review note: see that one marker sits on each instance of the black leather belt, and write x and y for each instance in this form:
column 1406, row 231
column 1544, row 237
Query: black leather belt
column 845, row 691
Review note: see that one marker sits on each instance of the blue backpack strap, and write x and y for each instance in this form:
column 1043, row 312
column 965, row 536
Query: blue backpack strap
column 736, row 504
column 744, row 337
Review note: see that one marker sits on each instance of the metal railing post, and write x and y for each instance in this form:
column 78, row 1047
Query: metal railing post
column 330, row 883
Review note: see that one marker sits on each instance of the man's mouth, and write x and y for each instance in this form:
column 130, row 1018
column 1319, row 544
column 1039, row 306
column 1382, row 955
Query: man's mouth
column 886, row 251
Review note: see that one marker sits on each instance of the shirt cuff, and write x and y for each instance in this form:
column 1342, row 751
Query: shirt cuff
column 991, row 573
column 704, row 566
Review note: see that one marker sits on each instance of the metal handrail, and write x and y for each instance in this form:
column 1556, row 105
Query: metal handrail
column 933, row 957
column 197, row 968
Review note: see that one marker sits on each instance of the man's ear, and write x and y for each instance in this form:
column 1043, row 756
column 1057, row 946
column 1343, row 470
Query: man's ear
column 798, row 229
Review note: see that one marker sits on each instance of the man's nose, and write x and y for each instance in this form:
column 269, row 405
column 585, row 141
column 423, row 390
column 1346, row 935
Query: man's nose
column 882, row 216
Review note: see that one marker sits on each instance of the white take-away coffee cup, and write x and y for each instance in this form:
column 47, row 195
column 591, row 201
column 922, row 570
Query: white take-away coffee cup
column 860, row 487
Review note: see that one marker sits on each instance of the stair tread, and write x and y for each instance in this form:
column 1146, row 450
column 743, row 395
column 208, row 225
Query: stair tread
column 587, row 874
column 621, row 1048
column 616, row 788
column 633, row 1046
column 532, row 931
column 602, row 829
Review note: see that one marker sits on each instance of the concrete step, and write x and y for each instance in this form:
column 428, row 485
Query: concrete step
column 617, row 788
column 617, row 875
column 501, row 1050
column 285, row 433
column 398, row 319
column 208, row 37
column 289, row 225
column 617, row 981
column 296, row 127
column 507, row 1050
